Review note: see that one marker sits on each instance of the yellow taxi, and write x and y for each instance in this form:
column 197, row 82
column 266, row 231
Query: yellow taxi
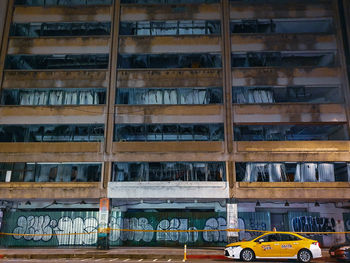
column 275, row 245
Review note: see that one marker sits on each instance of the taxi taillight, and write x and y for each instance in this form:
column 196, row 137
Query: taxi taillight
column 316, row 243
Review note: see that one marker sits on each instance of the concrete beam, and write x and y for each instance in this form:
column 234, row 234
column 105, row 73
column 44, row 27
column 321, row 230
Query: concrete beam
column 293, row 146
column 168, row 190
column 286, row 76
column 170, row 12
column 289, row 42
column 296, row 191
column 50, row 147
column 289, row 113
column 59, row 45
column 50, row 190
column 169, row 114
column 52, row 114
column 241, row 10
column 17, row 79
column 29, row 14
column 169, row 44
column 142, row 78
column 188, row 146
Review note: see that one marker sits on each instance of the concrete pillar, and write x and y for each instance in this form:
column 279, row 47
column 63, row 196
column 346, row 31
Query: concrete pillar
column 103, row 224
column 232, row 220
column 3, row 9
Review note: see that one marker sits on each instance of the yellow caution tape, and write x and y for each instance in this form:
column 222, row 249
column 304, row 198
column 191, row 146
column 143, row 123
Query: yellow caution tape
column 174, row 231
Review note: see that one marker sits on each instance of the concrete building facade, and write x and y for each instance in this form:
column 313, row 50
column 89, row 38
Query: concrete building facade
column 201, row 114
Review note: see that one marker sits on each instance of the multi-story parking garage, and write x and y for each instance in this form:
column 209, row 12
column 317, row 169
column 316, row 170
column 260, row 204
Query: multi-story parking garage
column 201, row 114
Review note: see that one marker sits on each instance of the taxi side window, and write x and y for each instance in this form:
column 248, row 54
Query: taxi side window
column 287, row 237
column 270, row 238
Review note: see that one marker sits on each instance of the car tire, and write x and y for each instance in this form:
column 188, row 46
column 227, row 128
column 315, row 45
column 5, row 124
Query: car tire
column 304, row 256
column 247, row 255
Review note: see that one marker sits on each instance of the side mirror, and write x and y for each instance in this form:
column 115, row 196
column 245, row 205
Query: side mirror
column 261, row 240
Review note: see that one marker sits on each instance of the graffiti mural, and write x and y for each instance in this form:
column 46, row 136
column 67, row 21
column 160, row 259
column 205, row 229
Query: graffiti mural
column 167, row 221
column 176, row 224
column 253, row 221
column 117, row 223
column 85, row 228
column 79, row 228
column 33, row 228
column 313, row 224
column 215, row 224
column 346, row 217
column 40, row 228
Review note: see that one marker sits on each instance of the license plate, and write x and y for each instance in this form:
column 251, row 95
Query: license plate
column 332, row 253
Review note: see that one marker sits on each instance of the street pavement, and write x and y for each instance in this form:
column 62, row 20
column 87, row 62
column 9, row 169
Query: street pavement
column 124, row 254
column 119, row 260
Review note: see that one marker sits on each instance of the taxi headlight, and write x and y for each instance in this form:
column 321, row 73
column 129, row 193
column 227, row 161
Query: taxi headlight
column 232, row 246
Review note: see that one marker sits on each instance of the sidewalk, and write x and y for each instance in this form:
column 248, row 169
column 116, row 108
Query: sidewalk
column 130, row 252
column 115, row 252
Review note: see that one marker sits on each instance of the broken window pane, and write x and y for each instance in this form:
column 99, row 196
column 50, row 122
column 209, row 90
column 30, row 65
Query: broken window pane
column 283, row 59
column 50, row 172
column 169, row 171
column 292, row 172
column 60, row 29
column 62, row 2
column 83, row 61
column 36, row 97
column 282, row 26
column 246, row 95
column 169, row 96
column 171, row 27
column 290, row 132
column 169, row 132
column 51, row 133
column 194, row 60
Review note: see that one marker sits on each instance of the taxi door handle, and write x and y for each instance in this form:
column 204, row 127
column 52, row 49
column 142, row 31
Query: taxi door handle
column 295, row 243
column 277, row 244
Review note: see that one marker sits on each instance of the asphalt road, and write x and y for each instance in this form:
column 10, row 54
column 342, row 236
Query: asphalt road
column 117, row 260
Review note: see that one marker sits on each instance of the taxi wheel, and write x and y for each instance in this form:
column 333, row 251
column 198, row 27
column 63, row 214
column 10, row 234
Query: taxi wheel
column 304, row 256
column 247, row 255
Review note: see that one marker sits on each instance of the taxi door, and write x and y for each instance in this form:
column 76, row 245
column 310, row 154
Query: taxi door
column 290, row 245
column 269, row 246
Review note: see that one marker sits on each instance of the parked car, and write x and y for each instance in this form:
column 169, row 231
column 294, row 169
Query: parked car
column 275, row 245
column 340, row 251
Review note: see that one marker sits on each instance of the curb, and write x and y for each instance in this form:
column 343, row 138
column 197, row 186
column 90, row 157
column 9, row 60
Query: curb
column 85, row 256
column 219, row 257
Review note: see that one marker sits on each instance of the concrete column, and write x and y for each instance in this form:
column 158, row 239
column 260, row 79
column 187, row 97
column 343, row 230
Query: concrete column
column 3, row 9
column 232, row 221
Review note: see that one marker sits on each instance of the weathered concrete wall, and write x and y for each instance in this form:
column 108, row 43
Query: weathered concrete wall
column 51, row 114
column 62, row 45
column 25, row 14
column 55, row 79
column 170, row 12
column 168, row 147
column 169, row 114
column 273, row 42
column 177, row 190
column 267, row 11
column 289, row 113
column 169, row 44
column 142, row 78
